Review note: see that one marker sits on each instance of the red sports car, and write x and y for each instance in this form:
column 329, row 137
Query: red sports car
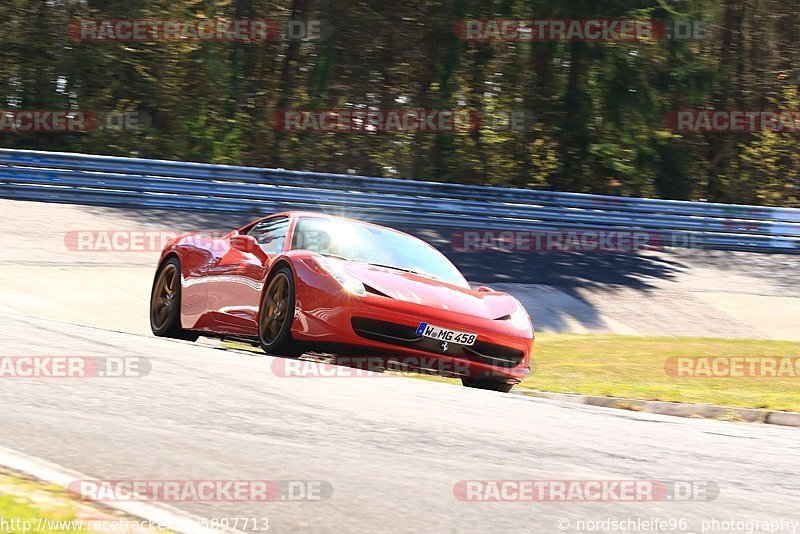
column 301, row 281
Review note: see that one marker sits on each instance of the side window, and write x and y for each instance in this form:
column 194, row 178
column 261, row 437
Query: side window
column 271, row 234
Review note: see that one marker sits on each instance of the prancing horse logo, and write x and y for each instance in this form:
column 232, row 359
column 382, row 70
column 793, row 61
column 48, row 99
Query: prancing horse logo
column 444, row 345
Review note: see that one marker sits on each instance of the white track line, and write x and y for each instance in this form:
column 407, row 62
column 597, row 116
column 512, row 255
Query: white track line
column 161, row 514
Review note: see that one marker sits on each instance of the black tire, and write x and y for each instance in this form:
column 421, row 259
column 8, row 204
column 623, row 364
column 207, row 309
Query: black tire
column 165, row 303
column 276, row 313
column 492, row 384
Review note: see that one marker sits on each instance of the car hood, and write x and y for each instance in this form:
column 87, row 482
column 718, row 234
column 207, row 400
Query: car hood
column 418, row 289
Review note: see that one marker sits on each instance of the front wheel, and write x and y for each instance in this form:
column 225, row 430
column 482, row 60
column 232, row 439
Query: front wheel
column 276, row 314
column 493, row 384
column 165, row 303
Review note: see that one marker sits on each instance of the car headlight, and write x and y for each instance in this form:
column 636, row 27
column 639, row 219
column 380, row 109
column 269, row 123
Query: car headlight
column 349, row 283
column 519, row 318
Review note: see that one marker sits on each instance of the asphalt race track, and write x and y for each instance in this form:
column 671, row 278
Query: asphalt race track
column 676, row 292
column 392, row 448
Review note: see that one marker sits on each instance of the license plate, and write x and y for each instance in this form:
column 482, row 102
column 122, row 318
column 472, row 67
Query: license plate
column 445, row 334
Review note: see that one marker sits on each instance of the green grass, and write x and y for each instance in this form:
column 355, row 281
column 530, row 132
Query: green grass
column 634, row 367
column 22, row 500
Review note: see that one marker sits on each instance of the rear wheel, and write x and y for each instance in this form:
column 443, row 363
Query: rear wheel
column 493, row 384
column 276, row 314
column 165, row 303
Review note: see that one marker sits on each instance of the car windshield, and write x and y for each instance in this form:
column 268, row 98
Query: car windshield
column 365, row 243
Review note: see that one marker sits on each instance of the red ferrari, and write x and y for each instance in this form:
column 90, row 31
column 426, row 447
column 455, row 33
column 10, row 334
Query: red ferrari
column 307, row 281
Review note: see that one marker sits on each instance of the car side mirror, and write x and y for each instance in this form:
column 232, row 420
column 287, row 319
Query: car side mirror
column 248, row 245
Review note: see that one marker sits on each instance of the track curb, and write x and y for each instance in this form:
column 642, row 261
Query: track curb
column 50, row 473
column 677, row 409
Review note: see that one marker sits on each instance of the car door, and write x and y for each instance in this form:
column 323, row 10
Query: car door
column 234, row 281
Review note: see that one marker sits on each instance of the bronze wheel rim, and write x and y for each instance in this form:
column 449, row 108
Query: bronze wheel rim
column 274, row 309
column 165, row 293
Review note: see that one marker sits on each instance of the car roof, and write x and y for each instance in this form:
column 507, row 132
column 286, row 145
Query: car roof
column 297, row 214
column 320, row 215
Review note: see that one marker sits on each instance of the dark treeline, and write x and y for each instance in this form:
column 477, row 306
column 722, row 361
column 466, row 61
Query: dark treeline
column 599, row 107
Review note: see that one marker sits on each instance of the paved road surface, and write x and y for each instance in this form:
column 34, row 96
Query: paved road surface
column 392, row 448
column 680, row 292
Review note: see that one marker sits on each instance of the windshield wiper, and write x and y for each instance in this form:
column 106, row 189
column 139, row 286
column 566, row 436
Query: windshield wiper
column 405, row 270
column 337, row 256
